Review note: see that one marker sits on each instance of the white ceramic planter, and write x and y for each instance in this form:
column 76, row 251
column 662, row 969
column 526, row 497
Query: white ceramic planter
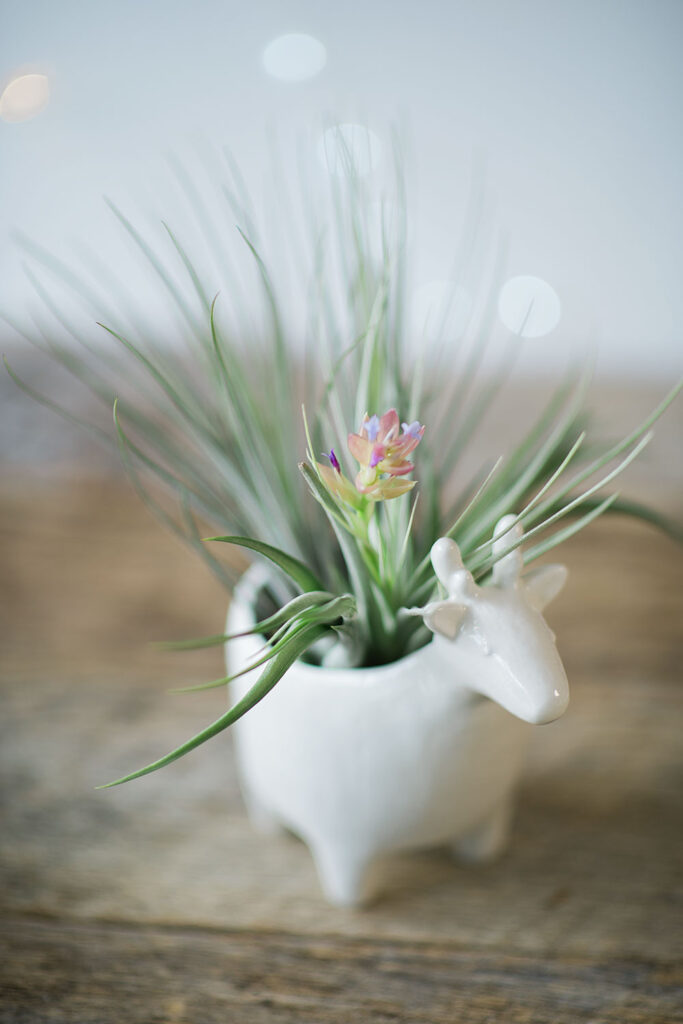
column 362, row 762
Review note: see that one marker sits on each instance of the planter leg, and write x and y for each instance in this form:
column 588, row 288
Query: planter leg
column 486, row 841
column 343, row 874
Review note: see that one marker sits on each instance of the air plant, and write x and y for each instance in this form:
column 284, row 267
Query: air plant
column 347, row 540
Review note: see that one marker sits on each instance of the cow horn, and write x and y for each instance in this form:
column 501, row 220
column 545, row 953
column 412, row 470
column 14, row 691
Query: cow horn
column 507, row 570
column 450, row 571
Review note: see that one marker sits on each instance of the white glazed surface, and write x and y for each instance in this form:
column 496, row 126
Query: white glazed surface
column 361, row 762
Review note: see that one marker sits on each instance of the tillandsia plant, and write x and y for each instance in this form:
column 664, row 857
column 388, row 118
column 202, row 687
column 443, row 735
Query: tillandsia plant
column 382, row 422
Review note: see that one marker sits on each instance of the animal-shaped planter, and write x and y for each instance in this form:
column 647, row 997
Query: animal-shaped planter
column 421, row 752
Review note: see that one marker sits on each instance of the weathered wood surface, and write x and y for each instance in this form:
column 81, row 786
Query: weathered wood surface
column 157, row 902
column 69, row 970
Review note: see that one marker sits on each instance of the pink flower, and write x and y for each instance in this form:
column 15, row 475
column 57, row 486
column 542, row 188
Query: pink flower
column 381, row 448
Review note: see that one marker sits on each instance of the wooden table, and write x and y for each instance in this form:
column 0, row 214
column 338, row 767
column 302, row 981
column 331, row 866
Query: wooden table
column 157, row 902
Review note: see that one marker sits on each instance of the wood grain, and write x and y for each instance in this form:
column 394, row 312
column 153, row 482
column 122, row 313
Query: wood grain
column 158, row 902
column 59, row 971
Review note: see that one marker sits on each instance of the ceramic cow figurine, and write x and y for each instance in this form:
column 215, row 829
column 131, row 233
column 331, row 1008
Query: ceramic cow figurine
column 363, row 762
column 497, row 641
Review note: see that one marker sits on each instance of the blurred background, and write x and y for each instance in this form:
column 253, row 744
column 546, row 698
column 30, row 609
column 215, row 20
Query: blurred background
column 567, row 117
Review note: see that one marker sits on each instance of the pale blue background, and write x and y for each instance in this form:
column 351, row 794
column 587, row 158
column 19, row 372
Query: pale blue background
column 576, row 107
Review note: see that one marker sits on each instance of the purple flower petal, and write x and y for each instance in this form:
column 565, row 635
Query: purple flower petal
column 372, row 427
column 412, row 428
column 378, row 453
column 333, row 459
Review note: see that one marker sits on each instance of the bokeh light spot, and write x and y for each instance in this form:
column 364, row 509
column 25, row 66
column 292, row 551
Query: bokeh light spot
column 349, row 148
column 294, row 57
column 24, row 97
column 528, row 306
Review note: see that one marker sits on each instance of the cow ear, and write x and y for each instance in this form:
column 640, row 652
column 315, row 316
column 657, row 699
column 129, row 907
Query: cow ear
column 445, row 618
column 542, row 585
